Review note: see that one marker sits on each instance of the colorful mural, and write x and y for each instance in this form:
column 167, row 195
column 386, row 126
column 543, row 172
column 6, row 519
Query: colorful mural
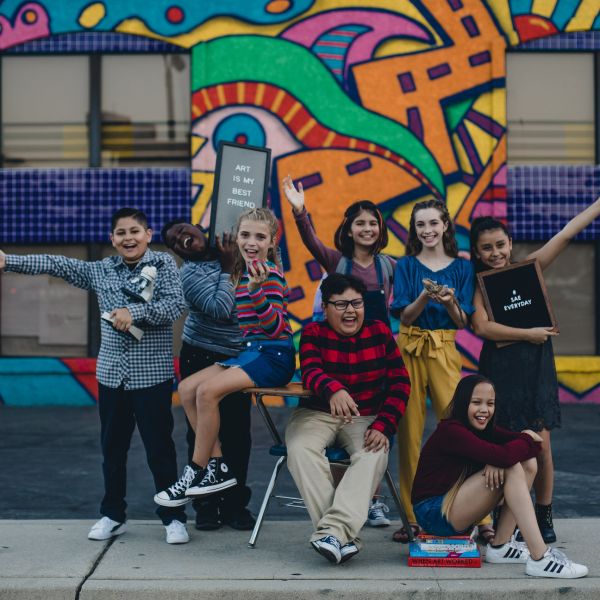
column 391, row 100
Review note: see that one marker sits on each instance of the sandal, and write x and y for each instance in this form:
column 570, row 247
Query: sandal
column 486, row 533
column 401, row 535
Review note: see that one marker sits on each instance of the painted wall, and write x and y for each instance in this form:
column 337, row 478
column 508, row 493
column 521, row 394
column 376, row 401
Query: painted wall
column 391, row 100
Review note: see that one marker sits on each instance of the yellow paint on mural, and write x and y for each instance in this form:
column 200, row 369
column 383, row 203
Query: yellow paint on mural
column 463, row 159
column 206, row 180
column 578, row 373
column 455, row 197
column 92, row 15
column 585, row 16
column 501, row 10
column 483, row 142
column 197, row 142
column 543, row 8
column 229, row 26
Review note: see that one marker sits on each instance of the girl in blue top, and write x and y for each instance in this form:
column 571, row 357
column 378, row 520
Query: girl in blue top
column 433, row 293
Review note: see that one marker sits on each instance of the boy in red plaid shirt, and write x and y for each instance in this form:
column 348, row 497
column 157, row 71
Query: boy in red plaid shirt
column 360, row 386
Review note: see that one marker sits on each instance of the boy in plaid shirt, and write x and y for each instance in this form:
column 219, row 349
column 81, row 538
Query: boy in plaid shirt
column 135, row 376
column 360, row 389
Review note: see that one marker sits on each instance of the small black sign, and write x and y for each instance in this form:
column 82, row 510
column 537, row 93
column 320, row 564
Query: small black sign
column 241, row 181
column 516, row 296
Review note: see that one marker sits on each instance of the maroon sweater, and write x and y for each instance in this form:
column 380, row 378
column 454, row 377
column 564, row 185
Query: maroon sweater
column 453, row 446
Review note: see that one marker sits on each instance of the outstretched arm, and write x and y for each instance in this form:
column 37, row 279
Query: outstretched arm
column 552, row 248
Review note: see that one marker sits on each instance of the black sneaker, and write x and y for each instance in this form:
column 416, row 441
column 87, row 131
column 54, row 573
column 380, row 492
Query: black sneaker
column 242, row 520
column 207, row 515
column 175, row 494
column 214, row 478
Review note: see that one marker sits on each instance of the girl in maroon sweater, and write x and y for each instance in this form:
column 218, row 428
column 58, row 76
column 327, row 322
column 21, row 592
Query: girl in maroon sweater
column 468, row 466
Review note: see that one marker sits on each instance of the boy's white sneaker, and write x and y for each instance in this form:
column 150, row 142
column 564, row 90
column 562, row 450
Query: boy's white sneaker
column 555, row 564
column 106, row 528
column 509, row 553
column 177, row 533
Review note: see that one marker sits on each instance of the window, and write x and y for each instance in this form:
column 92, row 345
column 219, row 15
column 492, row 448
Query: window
column 570, row 281
column 550, row 108
column 44, row 123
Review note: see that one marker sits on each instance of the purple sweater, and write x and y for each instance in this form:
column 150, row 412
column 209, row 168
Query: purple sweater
column 453, row 446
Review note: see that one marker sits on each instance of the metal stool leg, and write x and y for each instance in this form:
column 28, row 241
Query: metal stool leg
column 396, row 496
column 266, row 499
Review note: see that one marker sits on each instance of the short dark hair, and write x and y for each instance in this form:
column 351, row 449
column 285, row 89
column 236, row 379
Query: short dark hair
column 167, row 226
column 337, row 283
column 342, row 240
column 478, row 226
column 459, row 406
column 124, row 213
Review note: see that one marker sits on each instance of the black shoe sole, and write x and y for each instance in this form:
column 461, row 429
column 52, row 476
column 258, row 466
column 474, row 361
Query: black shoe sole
column 209, row 526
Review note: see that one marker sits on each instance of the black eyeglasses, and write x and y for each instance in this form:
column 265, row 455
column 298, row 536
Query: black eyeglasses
column 342, row 305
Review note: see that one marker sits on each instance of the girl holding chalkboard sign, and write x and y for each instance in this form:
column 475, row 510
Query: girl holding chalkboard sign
column 523, row 372
column 433, row 294
column 267, row 359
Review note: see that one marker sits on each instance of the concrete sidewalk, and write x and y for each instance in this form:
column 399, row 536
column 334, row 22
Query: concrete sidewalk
column 51, row 560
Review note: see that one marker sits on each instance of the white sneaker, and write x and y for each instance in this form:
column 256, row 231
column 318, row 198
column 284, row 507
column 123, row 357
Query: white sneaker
column 555, row 564
column 376, row 517
column 511, row 552
column 177, row 533
column 105, row 529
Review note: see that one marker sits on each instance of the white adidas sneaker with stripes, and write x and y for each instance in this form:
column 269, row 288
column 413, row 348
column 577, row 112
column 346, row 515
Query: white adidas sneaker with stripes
column 555, row 564
column 510, row 553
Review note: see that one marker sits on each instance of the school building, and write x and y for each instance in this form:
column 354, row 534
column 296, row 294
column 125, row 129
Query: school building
column 493, row 105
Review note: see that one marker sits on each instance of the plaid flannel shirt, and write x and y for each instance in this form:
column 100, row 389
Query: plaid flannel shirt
column 122, row 359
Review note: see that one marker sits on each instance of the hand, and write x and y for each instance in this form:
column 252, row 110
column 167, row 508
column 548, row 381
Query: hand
column 227, row 250
column 258, row 272
column 121, row 319
column 2, row 260
column 494, row 477
column 375, row 441
column 445, row 296
column 295, row 196
column 342, row 405
column 538, row 335
column 534, row 436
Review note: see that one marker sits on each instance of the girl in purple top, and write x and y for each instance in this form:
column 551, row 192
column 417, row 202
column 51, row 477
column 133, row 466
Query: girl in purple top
column 468, row 466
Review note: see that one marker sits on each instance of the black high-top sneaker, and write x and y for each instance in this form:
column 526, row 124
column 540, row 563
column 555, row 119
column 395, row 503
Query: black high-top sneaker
column 217, row 477
column 543, row 514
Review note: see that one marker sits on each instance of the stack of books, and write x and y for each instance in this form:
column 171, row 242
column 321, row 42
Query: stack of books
column 453, row 551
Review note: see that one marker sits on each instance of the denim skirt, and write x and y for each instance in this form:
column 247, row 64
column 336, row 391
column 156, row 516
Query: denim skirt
column 269, row 363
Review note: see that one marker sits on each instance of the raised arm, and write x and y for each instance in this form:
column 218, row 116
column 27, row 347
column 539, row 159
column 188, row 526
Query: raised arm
column 76, row 272
column 496, row 332
column 328, row 258
column 553, row 247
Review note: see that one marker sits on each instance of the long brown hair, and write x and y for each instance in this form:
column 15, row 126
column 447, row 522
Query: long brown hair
column 342, row 240
column 261, row 215
column 414, row 246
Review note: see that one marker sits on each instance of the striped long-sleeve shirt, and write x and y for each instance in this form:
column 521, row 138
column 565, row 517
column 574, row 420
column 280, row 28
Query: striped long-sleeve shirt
column 367, row 365
column 211, row 322
column 263, row 312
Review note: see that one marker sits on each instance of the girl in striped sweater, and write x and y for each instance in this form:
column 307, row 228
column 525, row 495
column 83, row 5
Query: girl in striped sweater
column 267, row 358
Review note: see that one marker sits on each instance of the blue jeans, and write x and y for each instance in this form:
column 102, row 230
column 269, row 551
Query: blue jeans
column 431, row 520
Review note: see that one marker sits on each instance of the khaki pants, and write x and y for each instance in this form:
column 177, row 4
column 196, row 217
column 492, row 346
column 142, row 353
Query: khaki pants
column 340, row 511
column 433, row 362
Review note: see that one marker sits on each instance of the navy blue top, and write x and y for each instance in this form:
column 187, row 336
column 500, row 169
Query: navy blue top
column 408, row 283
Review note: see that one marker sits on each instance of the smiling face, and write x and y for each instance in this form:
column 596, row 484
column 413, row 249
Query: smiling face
column 254, row 240
column 187, row 241
column 348, row 321
column 482, row 406
column 130, row 239
column 365, row 230
column 429, row 227
column 493, row 248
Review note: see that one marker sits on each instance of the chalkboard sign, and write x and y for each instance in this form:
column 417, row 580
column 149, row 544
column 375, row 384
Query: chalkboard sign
column 241, row 181
column 516, row 296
